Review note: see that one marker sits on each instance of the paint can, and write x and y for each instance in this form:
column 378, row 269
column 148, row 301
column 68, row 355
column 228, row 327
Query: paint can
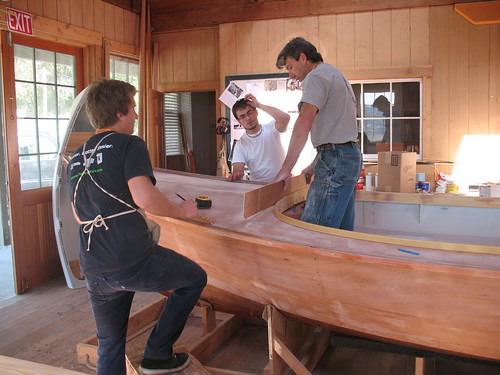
column 451, row 187
column 424, row 186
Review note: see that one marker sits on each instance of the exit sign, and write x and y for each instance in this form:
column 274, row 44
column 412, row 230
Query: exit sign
column 20, row 22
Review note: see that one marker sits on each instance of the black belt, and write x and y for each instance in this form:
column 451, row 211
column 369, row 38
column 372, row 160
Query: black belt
column 330, row 145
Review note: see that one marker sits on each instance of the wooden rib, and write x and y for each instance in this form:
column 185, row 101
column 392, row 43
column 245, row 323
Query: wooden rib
column 259, row 199
column 77, row 139
column 75, row 268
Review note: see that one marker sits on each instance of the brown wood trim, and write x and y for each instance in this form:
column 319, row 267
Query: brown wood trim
column 389, row 73
column 47, row 28
column 122, row 49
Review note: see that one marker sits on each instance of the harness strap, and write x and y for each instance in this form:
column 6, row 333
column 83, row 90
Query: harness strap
column 98, row 221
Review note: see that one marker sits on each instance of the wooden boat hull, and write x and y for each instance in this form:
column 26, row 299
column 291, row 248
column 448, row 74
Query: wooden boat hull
column 449, row 309
column 389, row 289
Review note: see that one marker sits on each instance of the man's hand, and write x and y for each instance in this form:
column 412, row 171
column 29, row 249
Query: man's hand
column 189, row 209
column 284, row 176
column 309, row 171
column 148, row 197
column 238, row 172
column 251, row 98
column 235, row 176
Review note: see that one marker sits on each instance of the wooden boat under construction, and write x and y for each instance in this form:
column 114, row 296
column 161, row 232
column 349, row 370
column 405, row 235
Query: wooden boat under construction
column 434, row 295
column 420, row 270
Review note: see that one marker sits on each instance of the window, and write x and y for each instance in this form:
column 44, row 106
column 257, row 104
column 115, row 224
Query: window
column 45, row 89
column 389, row 116
column 126, row 69
column 173, row 140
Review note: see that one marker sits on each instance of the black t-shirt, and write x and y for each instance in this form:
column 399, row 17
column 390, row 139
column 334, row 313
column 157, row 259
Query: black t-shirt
column 119, row 158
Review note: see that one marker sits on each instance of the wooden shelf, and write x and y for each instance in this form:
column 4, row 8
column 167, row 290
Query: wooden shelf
column 428, row 199
column 480, row 13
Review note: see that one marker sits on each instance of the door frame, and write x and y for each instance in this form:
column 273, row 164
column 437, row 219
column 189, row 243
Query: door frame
column 34, row 247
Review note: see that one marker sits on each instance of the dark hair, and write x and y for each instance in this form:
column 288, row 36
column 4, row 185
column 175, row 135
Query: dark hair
column 106, row 98
column 294, row 48
column 241, row 104
column 381, row 102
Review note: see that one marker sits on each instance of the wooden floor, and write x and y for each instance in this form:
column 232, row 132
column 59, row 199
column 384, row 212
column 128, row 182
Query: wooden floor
column 46, row 324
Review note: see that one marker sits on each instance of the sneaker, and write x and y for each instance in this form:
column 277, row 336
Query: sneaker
column 175, row 363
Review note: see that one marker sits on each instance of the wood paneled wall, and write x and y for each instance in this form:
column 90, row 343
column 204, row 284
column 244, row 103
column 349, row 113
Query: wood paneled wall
column 465, row 83
column 460, row 62
column 188, row 60
column 380, row 39
column 108, row 20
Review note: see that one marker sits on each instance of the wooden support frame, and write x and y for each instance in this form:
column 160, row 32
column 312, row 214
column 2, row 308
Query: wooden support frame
column 286, row 338
column 292, row 345
column 213, row 336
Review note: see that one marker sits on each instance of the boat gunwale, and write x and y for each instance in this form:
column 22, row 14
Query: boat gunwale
column 293, row 199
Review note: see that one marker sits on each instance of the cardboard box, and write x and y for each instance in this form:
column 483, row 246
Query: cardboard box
column 397, row 171
column 381, row 147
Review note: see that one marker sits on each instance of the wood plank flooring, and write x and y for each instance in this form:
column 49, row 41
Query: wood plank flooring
column 45, row 325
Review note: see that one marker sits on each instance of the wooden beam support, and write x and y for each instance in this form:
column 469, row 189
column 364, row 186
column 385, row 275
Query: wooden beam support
column 208, row 343
column 286, row 338
column 177, row 15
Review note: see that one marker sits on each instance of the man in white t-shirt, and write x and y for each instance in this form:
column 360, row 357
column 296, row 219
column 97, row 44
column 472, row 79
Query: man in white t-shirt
column 260, row 147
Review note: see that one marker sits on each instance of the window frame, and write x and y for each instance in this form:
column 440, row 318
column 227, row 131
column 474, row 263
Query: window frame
column 115, row 56
column 360, row 120
column 56, row 48
column 172, row 125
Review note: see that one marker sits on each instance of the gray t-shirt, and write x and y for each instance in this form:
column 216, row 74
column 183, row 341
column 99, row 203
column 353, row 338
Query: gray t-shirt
column 326, row 88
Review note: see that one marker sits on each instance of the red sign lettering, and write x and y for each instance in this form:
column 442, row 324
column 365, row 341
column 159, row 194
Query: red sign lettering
column 20, row 22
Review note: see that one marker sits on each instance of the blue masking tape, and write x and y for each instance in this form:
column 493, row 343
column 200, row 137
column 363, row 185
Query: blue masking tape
column 409, row 252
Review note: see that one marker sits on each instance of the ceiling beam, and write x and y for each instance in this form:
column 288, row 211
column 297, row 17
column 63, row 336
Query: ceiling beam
column 173, row 15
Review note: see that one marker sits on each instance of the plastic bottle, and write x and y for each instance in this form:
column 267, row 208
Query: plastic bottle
column 376, row 181
column 368, row 184
column 361, row 181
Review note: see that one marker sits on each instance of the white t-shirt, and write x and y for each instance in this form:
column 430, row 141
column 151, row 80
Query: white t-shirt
column 263, row 154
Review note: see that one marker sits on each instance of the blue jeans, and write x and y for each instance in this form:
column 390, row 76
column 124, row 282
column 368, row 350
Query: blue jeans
column 111, row 297
column 331, row 196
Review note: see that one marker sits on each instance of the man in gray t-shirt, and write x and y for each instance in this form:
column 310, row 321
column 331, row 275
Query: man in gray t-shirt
column 327, row 110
